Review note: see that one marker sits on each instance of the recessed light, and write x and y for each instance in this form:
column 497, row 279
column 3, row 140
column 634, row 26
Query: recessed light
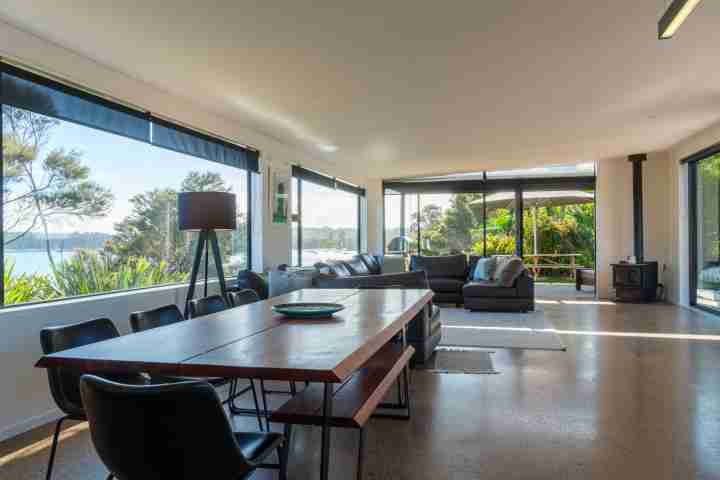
column 327, row 148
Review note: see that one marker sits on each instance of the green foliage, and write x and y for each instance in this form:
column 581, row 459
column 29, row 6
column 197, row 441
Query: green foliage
column 85, row 273
column 563, row 229
column 89, row 272
column 151, row 231
column 25, row 288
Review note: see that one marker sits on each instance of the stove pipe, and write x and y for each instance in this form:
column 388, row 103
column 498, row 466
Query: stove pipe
column 638, row 229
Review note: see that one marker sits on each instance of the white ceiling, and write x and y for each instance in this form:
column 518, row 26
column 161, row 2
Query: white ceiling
column 408, row 87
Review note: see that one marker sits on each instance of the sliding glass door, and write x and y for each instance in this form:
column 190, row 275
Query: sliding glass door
column 704, row 175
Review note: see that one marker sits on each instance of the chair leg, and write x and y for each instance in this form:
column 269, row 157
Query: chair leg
column 257, row 404
column 263, row 393
column 53, row 449
column 284, row 451
column 231, row 394
column 361, row 454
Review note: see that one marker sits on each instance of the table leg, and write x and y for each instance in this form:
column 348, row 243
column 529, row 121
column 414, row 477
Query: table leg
column 406, row 372
column 325, row 445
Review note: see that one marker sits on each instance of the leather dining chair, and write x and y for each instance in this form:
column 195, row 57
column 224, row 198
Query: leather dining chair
column 205, row 306
column 137, row 436
column 169, row 314
column 64, row 382
column 243, row 297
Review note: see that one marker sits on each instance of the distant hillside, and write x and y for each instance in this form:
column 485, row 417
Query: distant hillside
column 66, row 241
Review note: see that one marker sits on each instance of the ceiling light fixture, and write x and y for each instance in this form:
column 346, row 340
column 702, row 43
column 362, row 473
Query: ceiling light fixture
column 674, row 16
column 328, row 148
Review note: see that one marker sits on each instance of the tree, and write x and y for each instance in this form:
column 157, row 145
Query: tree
column 151, row 231
column 43, row 187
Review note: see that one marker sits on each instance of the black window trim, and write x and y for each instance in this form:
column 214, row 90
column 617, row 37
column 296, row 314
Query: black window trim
column 692, row 161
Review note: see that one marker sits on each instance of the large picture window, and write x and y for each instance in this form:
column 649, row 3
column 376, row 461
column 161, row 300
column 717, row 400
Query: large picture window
column 326, row 214
column 545, row 215
column 89, row 199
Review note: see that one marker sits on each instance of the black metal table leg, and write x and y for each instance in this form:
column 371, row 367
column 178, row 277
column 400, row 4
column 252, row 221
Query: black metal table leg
column 325, row 444
column 361, row 454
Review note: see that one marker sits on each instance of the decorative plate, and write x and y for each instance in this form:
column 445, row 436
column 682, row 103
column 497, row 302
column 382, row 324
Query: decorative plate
column 308, row 310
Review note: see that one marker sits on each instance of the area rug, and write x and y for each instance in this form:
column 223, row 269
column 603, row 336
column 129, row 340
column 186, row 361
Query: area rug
column 470, row 360
column 529, row 331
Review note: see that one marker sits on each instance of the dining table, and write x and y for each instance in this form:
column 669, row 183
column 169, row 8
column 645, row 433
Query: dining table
column 255, row 342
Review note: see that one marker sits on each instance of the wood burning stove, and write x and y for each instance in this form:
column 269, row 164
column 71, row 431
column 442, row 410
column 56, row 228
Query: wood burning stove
column 636, row 282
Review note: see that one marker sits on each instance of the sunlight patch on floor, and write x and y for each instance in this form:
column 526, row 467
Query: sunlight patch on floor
column 40, row 445
column 671, row 336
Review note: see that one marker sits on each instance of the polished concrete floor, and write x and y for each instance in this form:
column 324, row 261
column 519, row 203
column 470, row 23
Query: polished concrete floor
column 636, row 396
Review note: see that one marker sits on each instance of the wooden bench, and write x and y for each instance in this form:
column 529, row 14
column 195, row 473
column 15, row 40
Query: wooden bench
column 355, row 400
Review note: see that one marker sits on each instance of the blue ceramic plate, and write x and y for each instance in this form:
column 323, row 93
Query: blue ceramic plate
column 308, row 310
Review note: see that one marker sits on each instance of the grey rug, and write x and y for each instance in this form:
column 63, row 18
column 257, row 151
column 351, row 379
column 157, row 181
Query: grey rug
column 460, row 360
column 529, row 331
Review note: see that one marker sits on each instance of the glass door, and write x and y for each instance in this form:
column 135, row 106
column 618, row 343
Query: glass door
column 705, row 232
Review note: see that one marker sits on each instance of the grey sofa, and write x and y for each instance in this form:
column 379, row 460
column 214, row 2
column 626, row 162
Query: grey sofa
column 424, row 331
column 449, row 277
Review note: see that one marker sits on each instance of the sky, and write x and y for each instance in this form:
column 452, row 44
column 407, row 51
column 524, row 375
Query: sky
column 129, row 167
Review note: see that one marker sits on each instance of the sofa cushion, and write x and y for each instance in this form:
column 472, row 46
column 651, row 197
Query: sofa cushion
column 488, row 289
column 509, row 271
column 446, row 285
column 372, row 263
column 335, row 268
column 484, row 269
column 453, row 266
column 386, row 280
column 357, row 266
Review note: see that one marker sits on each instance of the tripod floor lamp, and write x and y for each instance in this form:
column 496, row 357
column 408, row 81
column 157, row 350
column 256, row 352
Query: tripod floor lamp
column 206, row 212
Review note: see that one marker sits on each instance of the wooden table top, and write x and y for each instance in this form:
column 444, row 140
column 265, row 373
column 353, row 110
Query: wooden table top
column 253, row 342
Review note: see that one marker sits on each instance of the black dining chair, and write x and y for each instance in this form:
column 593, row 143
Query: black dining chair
column 205, row 306
column 243, row 297
column 64, row 382
column 137, row 436
column 169, row 314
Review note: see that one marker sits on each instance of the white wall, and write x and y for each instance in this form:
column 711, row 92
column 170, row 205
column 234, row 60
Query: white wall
column 614, row 196
column 25, row 399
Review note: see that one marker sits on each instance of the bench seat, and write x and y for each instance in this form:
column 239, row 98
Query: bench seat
column 354, row 400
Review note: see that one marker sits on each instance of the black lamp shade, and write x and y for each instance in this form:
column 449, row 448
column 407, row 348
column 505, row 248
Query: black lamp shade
column 207, row 211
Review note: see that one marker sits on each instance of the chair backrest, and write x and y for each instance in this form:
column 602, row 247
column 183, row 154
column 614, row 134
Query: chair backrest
column 64, row 382
column 253, row 281
column 157, row 317
column 176, row 430
column 243, row 297
column 207, row 305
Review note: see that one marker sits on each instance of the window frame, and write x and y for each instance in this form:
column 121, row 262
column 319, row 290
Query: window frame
column 693, row 162
column 304, row 175
column 252, row 168
column 484, row 186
